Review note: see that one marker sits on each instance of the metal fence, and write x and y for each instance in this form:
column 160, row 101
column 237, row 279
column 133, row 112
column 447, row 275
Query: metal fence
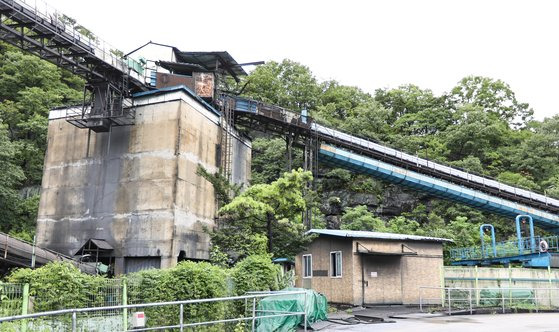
column 487, row 277
column 464, row 299
column 177, row 315
column 12, row 299
column 524, row 246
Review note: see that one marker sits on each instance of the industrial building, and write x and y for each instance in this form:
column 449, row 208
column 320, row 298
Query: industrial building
column 360, row 268
column 120, row 180
column 135, row 189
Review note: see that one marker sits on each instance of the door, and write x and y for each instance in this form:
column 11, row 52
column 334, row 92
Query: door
column 382, row 282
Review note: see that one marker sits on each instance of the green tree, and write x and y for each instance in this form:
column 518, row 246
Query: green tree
column 287, row 84
column 493, row 96
column 11, row 175
column 518, row 180
column 265, row 213
column 414, row 110
column 537, row 156
column 477, row 134
column 403, row 225
column 360, row 219
column 268, row 159
column 29, row 88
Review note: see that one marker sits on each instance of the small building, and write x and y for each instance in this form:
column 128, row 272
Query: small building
column 360, row 268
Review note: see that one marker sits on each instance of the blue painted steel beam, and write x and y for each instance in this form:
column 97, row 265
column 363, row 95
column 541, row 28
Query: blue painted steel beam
column 437, row 187
column 482, row 238
column 530, row 260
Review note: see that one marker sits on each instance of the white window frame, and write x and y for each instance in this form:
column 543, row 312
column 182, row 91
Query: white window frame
column 332, row 264
column 305, row 266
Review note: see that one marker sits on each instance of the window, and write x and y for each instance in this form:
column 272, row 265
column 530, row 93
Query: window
column 307, row 266
column 336, row 264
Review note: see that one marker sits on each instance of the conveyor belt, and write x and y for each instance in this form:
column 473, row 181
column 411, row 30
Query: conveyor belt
column 260, row 115
column 17, row 253
column 36, row 28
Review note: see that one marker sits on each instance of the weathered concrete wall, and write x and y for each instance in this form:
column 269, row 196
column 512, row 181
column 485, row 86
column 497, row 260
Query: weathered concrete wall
column 135, row 187
column 398, row 277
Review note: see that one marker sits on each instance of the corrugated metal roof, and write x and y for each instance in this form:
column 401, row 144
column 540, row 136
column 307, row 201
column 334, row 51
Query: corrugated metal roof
column 375, row 235
column 208, row 60
column 182, row 68
column 102, row 244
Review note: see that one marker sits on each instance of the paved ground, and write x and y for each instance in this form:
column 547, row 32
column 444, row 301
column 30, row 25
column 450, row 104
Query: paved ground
column 544, row 322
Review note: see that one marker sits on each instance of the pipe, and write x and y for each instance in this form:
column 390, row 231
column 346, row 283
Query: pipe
column 519, row 234
column 481, row 236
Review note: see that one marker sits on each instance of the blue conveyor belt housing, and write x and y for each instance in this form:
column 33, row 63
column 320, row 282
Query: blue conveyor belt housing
column 437, row 187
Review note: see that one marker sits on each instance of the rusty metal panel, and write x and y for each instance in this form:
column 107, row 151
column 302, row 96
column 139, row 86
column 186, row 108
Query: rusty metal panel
column 204, row 83
column 165, row 80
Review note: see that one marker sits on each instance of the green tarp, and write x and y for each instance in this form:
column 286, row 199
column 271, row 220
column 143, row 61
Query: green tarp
column 490, row 297
column 316, row 309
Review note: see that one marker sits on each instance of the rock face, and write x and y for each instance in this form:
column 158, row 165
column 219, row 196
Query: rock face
column 392, row 201
column 396, row 200
column 333, row 221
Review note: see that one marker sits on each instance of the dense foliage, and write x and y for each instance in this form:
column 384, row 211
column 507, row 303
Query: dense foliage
column 256, row 273
column 266, row 218
column 29, row 88
column 61, row 285
column 479, row 125
column 188, row 280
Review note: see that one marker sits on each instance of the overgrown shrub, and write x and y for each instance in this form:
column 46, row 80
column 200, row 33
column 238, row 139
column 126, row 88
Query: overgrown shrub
column 255, row 273
column 59, row 285
column 186, row 281
column 146, row 286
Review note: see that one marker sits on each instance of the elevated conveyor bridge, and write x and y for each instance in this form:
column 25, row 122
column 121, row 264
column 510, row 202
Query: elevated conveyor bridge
column 340, row 149
column 35, row 27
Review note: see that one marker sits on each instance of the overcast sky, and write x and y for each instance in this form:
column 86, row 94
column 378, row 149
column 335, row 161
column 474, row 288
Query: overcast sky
column 369, row 44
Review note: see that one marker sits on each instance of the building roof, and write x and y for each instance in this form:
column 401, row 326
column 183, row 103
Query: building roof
column 208, row 60
column 283, row 260
column 375, row 235
column 93, row 244
column 182, row 68
column 181, row 87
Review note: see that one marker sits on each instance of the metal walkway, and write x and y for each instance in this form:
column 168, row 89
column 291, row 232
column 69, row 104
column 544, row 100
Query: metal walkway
column 437, row 187
column 36, row 28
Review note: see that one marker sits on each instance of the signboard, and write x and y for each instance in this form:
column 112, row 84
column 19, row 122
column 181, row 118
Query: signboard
column 204, row 84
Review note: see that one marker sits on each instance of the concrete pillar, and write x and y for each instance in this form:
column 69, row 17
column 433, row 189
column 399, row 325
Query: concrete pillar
column 119, row 265
column 168, row 262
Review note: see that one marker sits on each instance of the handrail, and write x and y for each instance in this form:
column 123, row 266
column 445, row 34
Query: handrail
column 505, row 248
column 181, row 303
column 470, row 298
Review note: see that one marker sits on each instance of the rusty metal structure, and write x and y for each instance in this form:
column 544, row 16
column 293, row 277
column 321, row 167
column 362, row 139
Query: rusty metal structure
column 55, row 37
column 15, row 252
